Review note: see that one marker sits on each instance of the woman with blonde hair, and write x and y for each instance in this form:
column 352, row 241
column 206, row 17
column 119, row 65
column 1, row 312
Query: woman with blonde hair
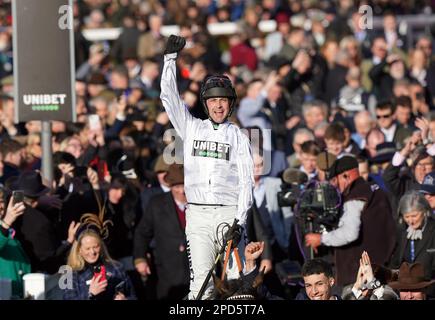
column 96, row 276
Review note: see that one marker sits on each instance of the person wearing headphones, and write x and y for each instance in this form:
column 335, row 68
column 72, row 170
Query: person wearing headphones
column 366, row 223
column 218, row 170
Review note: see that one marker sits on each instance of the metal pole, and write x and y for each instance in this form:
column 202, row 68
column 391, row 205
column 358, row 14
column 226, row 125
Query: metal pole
column 310, row 226
column 47, row 153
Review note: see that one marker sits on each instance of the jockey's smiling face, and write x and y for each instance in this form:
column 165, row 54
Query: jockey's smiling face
column 218, row 108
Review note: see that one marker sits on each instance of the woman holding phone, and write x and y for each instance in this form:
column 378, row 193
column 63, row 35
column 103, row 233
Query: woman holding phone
column 14, row 263
column 96, row 276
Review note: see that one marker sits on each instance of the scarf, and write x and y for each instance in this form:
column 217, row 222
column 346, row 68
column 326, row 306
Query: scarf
column 416, row 234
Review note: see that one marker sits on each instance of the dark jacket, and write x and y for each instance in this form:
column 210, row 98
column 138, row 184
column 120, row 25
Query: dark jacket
column 398, row 180
column 125, row 217
column 160, row 222
column 383, row 82
column 255, row 231
column 424, row 249
column 38, row 238
column 82, row 199
column 9, row 170
column 334, row 81
column 147, row 194
column 308, row 86
column 114, row 275
column 376, row 235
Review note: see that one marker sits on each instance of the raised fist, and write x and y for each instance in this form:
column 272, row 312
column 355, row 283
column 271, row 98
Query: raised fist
column 175, row 44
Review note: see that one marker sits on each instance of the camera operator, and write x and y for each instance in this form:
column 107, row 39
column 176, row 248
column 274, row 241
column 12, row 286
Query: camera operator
column 366, row 223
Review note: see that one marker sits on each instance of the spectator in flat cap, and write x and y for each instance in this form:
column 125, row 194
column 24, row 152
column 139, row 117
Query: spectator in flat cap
column 164, row 223
column 366, row 224
column 97, row 83
column 427, row 188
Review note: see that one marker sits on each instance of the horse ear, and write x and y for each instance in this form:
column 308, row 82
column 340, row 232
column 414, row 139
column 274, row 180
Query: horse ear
column 258, row 279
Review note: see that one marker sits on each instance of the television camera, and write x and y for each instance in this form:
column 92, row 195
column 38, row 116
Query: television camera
column 316, row 204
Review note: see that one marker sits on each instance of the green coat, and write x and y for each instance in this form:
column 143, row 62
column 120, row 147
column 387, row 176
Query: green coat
column 14, row 263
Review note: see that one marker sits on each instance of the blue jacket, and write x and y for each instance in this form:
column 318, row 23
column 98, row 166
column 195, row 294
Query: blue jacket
column 281, row 218
column 114, row 275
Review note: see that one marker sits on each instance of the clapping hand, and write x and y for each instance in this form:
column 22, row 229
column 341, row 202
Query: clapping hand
column 365, row 274
column 366, row 268
column 423, row 124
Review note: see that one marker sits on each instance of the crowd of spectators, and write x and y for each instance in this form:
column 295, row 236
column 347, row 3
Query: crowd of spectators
column 320, row 81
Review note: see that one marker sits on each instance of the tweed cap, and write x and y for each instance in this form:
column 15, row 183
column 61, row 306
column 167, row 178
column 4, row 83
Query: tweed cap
column 175, row 175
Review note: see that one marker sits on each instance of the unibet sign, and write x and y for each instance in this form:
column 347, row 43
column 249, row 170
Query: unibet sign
column 44, row 69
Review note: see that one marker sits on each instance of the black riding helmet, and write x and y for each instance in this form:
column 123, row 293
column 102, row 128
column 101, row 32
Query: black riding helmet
column 218, row 86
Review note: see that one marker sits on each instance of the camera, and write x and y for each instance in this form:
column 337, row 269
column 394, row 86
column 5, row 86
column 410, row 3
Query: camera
column 318, row 208
column 294, row 182
column 315, row 203
column 289, row 195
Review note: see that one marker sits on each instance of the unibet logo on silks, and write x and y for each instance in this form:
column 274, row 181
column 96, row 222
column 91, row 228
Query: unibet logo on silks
column 210, row 149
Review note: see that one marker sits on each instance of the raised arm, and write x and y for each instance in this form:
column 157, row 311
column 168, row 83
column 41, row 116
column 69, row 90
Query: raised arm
column 172, row 102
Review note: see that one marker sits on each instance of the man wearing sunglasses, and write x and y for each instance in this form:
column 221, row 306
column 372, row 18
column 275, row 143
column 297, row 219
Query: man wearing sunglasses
column 218, row 170
column 385, row 119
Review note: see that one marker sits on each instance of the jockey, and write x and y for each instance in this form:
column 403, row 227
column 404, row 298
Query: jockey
column 218, row 168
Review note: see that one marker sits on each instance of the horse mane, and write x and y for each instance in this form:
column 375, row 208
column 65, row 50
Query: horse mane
column 237, row 289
